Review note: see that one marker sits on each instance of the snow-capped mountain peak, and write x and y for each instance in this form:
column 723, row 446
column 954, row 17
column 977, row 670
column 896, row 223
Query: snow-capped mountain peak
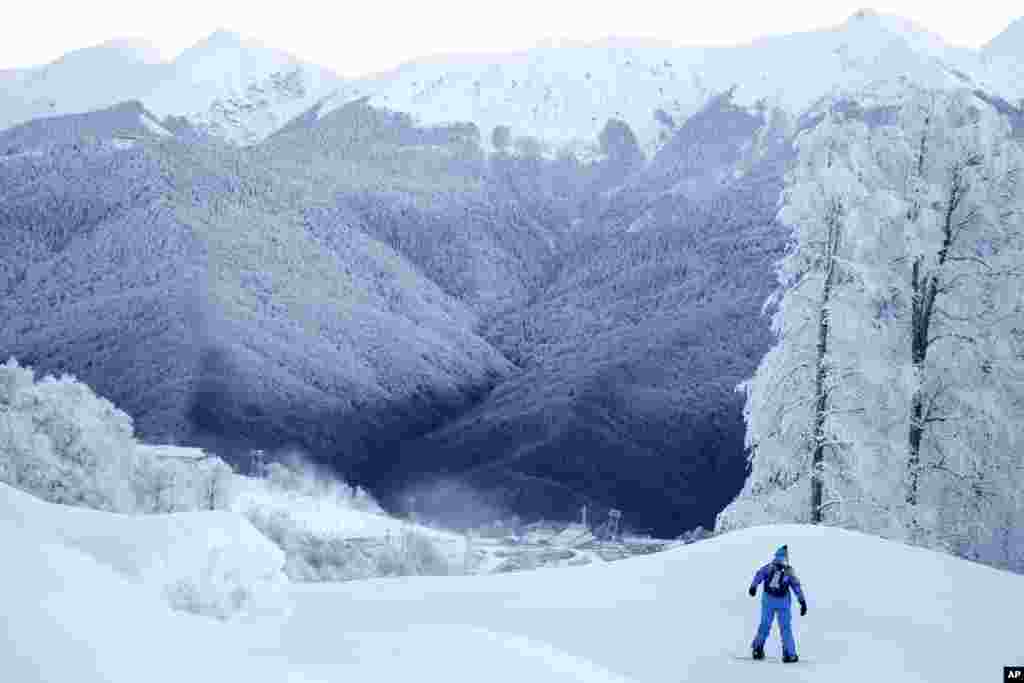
column 226, row 57
column 232, row 86
column 220, row 38
column 135, row 48
column 239, row 88
column 918, row 38
column 1009, row 43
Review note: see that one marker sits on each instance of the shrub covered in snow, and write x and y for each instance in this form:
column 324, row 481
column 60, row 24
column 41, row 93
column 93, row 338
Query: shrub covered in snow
column 173, row 479
column 237, row 573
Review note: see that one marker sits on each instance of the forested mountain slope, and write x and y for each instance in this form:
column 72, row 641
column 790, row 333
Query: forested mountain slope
column 184, row 283
column 629, row 361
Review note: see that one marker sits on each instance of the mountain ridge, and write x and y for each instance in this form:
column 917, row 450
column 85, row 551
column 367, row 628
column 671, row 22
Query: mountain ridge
column 560, row 92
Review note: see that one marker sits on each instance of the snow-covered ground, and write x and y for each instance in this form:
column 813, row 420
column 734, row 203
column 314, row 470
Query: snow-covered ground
column 878, row 611
column 211, row 562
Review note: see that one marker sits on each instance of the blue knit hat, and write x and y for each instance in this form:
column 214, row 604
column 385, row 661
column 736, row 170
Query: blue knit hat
column 782, row 555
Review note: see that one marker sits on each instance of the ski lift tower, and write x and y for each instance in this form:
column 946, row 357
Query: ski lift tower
column 258, row 463
column 614, row 516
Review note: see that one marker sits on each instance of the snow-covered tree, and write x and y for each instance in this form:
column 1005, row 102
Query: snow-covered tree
column 892, row 400
column 63, row 443
column 960, row 280
column 501, row 137
column 802, row 398
column 215, row 485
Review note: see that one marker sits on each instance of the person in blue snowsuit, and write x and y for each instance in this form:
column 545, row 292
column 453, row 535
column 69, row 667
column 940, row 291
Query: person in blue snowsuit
column 778, row 579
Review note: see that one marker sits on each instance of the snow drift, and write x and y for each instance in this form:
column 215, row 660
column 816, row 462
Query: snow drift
column 213, row 563
column 68, row 617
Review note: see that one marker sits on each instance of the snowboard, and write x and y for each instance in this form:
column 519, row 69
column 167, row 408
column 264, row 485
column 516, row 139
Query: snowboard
column 769, row 660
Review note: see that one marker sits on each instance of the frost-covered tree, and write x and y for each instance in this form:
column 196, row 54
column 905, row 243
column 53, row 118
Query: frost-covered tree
column 528, row 147
column 215, row 485
column 63, row 443
column 501, row 138
column 619, row 143
column 956, row 171
column 803, row 400
column 893, row 397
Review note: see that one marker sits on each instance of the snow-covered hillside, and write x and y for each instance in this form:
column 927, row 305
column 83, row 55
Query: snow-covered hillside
column 567, row 93
column 678, row 615
column 1009, row 43
column 239, row 89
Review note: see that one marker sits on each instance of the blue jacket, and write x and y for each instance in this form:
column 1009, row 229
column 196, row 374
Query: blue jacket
column 789, row 581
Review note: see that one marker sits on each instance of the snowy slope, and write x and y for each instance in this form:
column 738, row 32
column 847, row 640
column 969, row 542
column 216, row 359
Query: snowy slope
column 212, row 562
column 566, row 93
column 239, row 89
column 70, row 615
column 1009, row 43
column 678, row 615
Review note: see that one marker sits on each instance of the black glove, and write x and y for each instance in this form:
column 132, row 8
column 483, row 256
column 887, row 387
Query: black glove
column 803, row 608
column 752, row 591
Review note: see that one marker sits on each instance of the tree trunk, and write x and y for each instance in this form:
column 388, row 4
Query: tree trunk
column 918, row 355
column 924, row 292
column 820, row 404
column 834, row 222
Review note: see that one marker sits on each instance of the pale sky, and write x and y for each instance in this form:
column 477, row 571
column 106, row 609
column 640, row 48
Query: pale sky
column 356, row 38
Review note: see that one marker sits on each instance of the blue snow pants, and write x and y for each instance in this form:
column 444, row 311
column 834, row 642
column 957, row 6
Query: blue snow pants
column 771, row 609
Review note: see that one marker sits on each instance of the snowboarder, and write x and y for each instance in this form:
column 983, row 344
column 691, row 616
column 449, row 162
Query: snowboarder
column 778, row 578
